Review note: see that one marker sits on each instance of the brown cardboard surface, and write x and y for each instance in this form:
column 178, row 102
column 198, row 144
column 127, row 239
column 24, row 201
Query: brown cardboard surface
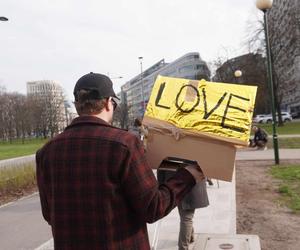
column 167, row 128
column 215, row 157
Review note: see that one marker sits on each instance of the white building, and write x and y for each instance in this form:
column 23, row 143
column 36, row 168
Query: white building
column 52, row 94
column 43, row 87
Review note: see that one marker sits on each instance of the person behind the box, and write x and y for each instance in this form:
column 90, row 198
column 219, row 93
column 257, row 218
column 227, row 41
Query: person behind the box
column 260, row 139
column 196, row 198
column 139, row 130
column 96, row 189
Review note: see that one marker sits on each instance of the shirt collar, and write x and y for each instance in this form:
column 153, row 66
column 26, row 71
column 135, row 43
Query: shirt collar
column 88, row 119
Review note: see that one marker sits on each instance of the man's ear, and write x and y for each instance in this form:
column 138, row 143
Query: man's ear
column 107, row 108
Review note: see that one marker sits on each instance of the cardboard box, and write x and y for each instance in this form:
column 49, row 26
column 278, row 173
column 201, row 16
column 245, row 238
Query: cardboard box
column 215, row 157
column 198, row 120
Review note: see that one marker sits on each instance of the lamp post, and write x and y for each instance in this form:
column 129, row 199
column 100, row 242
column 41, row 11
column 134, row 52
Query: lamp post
column 264, row 5
column 3, row 18
column 238, row 73
column 117, row 77
column 142, row 84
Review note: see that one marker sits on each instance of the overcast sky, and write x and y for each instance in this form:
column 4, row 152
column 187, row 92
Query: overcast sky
column 63, row 39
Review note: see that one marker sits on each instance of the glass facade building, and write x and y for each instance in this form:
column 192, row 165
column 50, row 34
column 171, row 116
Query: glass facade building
column 189, row 66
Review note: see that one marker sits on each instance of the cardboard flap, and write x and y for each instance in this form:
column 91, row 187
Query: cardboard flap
column 169, row 129
column 215, row 159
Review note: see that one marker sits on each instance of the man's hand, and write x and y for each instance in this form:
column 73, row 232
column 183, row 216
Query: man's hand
column 196, row 172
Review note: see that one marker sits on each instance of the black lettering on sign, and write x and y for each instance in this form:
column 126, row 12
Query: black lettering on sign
column 180, row 106
column 177, row 98
column 241, row 130
column 159, row 94
column 206, row 115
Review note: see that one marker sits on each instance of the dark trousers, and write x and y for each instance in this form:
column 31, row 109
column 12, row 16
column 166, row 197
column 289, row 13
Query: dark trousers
column 186, row 230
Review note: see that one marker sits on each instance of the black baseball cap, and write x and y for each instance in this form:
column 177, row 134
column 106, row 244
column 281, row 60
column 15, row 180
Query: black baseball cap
column 101, row 86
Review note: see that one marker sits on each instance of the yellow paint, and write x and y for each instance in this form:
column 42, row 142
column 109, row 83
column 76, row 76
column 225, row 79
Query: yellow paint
column 220, row 109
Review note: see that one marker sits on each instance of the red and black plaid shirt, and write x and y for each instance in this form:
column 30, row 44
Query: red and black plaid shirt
column 97, row 190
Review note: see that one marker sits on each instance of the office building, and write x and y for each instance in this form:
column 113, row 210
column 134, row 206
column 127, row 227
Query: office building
column 189, row 66
column 284, row 32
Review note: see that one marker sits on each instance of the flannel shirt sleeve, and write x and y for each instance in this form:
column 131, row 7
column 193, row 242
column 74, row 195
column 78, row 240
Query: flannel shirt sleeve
column 40, row 175
column 149, row 200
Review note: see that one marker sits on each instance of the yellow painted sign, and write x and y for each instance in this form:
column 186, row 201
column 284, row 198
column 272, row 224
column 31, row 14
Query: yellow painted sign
column 220, row 109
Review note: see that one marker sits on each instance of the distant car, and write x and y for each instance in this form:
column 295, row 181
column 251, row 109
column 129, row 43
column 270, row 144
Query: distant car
column 295, row 114
column 259, row 118
column 286, row 117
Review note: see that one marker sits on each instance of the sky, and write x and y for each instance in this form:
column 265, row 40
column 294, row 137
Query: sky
column 62, row 40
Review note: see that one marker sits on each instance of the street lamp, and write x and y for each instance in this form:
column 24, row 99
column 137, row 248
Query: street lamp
column 264, row 5
column 3, row 18
column 117, row 77
column 142, row 84
column 237, row 74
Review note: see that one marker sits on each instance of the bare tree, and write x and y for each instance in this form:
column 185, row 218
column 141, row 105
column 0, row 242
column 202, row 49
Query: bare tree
column 55, row 112
column 8, row 117
column 3, row 113
column 253, row 73
column 121, row 116
column 41, row 114
column 47, row 113
column 255, row 42
column 19, row 114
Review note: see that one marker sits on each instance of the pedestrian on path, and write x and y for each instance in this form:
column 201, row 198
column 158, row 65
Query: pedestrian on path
column 140, row 131
column 196, row 198
column 260, row 139
column 97, row 190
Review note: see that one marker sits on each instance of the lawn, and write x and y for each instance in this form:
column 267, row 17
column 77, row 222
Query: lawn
column 285, row 142
column 289, row 187
column 17, row 148
column 289, row 128
column 14, row 180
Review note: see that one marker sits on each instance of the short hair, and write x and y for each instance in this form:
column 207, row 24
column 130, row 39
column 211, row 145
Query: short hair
column 85, row 105
column 137, row 122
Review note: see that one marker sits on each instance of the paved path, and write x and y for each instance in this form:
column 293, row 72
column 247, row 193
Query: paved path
column 250, row 154
column 286, row 136
column 22, row 226
column 17, row 161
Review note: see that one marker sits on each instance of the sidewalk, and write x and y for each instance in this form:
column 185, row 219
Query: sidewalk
column 218, row 218
column 19, row 161
column 22, row 225
column 249, row 154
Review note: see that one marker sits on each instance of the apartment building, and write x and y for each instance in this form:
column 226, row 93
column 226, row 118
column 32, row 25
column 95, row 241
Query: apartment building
column 284, row 31
column 136, row 92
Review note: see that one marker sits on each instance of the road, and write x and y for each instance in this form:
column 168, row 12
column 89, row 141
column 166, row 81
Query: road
column 19, row 161
column 22, row 226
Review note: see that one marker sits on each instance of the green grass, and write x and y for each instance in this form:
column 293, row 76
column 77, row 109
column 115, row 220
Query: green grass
column 14, row 179
column 17, row 148
column 289, row 128
column 289, row 187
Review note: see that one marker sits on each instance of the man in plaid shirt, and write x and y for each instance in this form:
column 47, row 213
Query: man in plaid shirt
column 96, row 188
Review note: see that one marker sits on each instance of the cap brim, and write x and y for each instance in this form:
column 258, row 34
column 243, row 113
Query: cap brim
column 116, row 97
